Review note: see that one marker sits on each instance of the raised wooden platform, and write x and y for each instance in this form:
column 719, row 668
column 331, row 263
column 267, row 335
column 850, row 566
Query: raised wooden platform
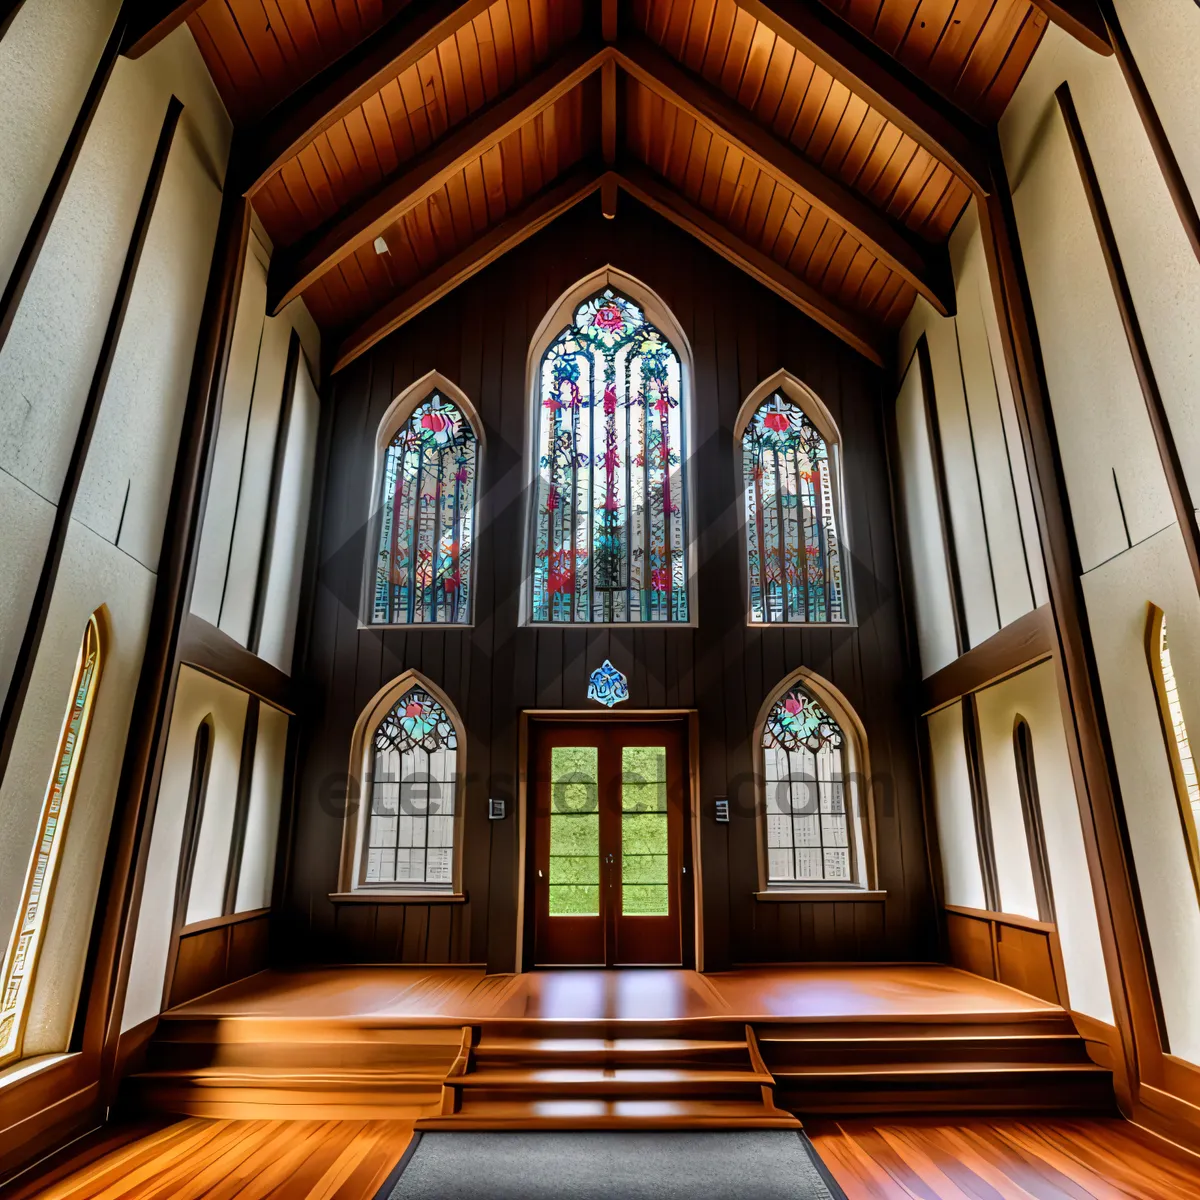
column 599, row 1049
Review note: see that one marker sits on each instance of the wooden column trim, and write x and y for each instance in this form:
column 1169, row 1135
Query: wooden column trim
column 129, row 841
column 938, row 458
column 213, row 651
column 278, row 458
column 1127, row 953
column 31, row 641
column 1181, row 196
column 1020, row 644
column 22, row 272
column 1160, row 422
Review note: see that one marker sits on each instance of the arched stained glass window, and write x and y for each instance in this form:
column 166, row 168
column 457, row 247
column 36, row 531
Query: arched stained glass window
column 1175, row 734
column 610, row 526
column 793, row 549
column 804, row 769
column 410, row 838
column 427, row 518
column 25, row 944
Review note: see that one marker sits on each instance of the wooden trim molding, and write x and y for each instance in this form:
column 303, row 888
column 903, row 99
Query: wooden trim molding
column 1082, row 19
column 1160, row 422
column 27, row 256
column 251, row 914
column 153, row 20
column 213, row 651
column 398, row 897
column 1021, row 644
column 820, row 895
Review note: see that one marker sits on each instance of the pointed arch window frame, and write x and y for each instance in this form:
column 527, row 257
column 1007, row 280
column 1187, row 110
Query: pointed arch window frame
column 1155, row 622
column 858, row 792
column 393, row 419
column 21, row 962
column 356, row 822
column 559, row 317
column 801, row 395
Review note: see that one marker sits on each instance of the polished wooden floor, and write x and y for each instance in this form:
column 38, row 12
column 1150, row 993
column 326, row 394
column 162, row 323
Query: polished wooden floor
column 455, row 995
column 349, row 1160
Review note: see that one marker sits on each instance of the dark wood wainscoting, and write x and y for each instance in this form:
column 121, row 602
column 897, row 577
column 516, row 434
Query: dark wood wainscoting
column 1018, row 951
column 214, row 953
column 479, row 338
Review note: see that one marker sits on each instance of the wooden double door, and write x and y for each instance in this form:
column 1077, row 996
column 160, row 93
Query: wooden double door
column 608, row 843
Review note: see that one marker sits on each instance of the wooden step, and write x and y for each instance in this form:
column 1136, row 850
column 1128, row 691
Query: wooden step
column 608, row 1051
column 613, row 1114
column 612, row 1081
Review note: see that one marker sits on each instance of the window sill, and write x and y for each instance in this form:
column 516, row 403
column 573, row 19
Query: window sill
column 796, row 895
column 365, row 897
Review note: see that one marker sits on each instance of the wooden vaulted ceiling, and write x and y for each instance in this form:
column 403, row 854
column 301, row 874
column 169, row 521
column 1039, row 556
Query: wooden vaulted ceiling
column 828, row 149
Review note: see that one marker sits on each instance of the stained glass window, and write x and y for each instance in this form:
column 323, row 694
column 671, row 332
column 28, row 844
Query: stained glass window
column 610, row 527
column 796, row 572
column 808, row 837
column 410, row 839
column 427, row 519
column 1179, row 746
column 24, row 946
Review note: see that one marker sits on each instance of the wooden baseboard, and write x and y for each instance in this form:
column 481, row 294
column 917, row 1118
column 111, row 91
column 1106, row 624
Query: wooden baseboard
column 1103, row 1040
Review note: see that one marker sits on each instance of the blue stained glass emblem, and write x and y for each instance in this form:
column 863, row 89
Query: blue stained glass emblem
column 607, row 685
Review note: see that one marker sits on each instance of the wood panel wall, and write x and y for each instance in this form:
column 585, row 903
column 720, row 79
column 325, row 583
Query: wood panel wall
column 1018, row 951
column 214, row 953
column 479, row 337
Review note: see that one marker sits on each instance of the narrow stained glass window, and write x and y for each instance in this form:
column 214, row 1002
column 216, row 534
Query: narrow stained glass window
column 610, row 528
column 808, row 838
column 574, row 832
column 645, row 890
column 427, row 519
column 794, row 553
column 24, row 946
column 410, row 840
column 1179, row 747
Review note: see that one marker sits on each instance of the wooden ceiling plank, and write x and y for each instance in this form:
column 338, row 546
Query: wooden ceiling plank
column 511, row 232
column 926, row 267
column 851, row 328
column 293, row 272
column 413, row 33
column 153, row 20
column 870, row 72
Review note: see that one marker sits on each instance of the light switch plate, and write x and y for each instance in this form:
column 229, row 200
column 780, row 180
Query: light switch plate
column 723, row 811
column 496, row 810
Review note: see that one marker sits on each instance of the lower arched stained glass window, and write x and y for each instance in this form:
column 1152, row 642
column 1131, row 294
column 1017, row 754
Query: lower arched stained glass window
column 610, row 527
column 427, row 519
column 410, row 838
column 808, row 837
column 794, row 554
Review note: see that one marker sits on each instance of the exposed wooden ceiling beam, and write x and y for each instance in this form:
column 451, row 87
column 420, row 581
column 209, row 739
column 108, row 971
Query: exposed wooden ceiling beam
column 294, row 270
column 876, row 77
column 511, row 232
column 925, row 266
column 416, row 30
column 854, row 330
column 152, row 20
column 1082, row 19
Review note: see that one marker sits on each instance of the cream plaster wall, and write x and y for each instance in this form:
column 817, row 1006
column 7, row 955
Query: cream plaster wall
column 952, row 804
column 262, row 820
column 114, row 537
column 1117, row 596
column 1098, row 406
column 197, row 696
column 915, row 482
column 1034, row 695
column 47, row 59
column 1164, row 36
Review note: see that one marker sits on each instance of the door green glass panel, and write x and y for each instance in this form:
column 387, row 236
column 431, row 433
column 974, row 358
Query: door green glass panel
column 574, row 832
column 644, row 879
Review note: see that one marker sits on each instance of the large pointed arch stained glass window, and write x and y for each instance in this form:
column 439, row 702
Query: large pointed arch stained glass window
column 794, row 551
column 804, row 770
column 427, row 519
column 610, row 526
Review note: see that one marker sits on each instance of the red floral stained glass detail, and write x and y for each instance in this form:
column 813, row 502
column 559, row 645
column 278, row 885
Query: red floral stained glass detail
column 610, row 533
